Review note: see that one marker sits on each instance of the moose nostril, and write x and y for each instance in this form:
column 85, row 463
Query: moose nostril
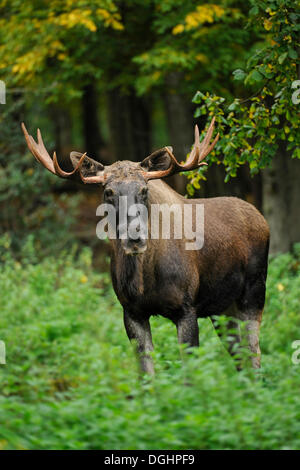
column 136, row 241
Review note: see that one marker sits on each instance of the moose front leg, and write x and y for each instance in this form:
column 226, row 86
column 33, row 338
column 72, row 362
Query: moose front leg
column 139, row 330
column 187, row 329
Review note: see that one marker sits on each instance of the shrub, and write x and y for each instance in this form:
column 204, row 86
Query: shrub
column 71, row 380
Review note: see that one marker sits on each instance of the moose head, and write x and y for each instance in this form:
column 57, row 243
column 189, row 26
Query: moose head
column 125, row 178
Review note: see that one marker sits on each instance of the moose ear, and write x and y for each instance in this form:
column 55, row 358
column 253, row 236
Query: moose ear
column 157, row 161
column 89, row 167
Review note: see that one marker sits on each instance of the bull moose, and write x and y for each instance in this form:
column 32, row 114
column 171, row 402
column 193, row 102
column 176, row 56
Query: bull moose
column 160, row 276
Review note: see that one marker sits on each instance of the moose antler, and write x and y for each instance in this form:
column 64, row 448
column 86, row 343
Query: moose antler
column 39, row 151
column 198, row 153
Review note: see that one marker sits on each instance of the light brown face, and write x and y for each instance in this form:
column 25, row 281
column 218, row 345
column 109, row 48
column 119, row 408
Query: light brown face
column 126, row 190
column 125, row 185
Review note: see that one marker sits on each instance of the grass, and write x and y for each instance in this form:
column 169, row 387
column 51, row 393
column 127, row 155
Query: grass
column 71, row 380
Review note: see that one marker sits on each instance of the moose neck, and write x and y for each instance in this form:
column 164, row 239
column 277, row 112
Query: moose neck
column 160, row 193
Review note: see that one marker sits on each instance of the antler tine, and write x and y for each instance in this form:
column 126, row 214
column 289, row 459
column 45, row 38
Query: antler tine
column 174, row 162
column 92, row 179
column 196, row 145
column 209, row 149
column 200, row 150
column 198, row 153
column 89, row 179
column 206, row 140
column 65, row 174
column 209, row 132
column 197, row 135
column 195, row 152
column 39, row 151
column 41, row 142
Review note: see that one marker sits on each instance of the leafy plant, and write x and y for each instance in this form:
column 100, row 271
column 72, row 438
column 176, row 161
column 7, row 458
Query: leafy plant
column 71, row 380
column 254, row 130
column 31, row 214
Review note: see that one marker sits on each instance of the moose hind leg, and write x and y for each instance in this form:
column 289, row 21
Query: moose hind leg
column 243, row 326
column 230, row 335
column 251, row 304
column 249, row 310
column 252, row 319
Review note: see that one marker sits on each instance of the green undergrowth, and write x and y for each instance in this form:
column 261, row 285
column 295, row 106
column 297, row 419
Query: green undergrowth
column 71, row 378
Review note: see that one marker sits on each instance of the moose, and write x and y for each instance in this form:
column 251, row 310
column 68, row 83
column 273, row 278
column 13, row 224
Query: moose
column 160, row 276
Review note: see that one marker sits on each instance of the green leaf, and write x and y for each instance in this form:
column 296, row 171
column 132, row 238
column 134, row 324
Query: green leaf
column 292, row 53
column 254, row 11
column 282, row 58
column 233, row 105
column 198, row 97
column 198, row 112
column 239, row 74
column 254, row 76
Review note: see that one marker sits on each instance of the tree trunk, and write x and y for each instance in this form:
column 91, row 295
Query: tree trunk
column 91, row 129
column 62, row 129
column 130, row 126
column 243, row 186
column 180, row 125
column 281, row 200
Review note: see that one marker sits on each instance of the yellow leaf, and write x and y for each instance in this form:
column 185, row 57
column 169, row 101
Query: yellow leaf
column 3, row 443
column 271, row 13
column 83, row 279
column 156, row 75
column 103, row 13
column 191, row 21
column 16, row 68
column 202, row 58
column 178, row 29
column 280, row 287
column 117, row 25
column 56, row 45
column 90, row 25
column 267, row 25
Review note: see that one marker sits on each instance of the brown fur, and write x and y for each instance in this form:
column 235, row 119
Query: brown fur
column 163, row 278
column 230, row 270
